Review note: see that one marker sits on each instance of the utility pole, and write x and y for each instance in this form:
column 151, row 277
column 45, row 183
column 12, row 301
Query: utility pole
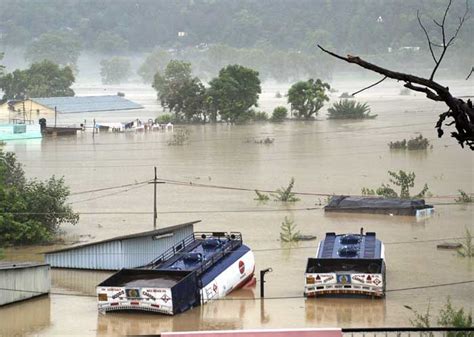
column 155, row 182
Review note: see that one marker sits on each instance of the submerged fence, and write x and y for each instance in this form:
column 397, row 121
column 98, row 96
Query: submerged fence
column 408, row 332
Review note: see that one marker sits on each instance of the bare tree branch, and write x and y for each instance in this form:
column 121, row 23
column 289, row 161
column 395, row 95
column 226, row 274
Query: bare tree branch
column 472, row 70
column 370, row 86
column 443, row 35
column 427, row 36
column 461, row 112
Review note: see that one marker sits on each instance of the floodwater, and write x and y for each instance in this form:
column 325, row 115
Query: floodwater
column 323, row 156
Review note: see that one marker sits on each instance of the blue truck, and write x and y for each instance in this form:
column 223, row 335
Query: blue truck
column 347, row 264
column 201, row 268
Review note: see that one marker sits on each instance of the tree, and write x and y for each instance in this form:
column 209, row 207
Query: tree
column 234, row 92
column 307, row 98
column 110, row 43
column 31, row 211
column 59, row 47
column 115, row 70
column 279, row 114
column 154, row 62
column 180, row 92
column 460, row 111
column 404, row 180
column 43, row 79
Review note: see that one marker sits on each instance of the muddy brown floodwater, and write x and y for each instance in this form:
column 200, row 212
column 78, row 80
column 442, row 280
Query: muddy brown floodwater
column 323, row 156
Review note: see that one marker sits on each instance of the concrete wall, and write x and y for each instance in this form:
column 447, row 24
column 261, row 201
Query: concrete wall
column 17, row 284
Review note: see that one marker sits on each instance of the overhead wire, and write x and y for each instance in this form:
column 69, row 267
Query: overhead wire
column 258, row 250
column 438, row 285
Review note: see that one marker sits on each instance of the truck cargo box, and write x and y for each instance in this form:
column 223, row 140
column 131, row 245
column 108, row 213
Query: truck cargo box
column 167, row 292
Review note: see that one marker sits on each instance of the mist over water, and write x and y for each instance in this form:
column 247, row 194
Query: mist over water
column 324, row 156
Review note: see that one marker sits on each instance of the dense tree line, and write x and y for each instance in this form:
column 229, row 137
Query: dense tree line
column 368, row 26
column 230, row 97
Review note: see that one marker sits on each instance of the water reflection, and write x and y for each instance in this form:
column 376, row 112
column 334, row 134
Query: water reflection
column 81, row 281
column 345, row 311
column 25, row 318
column 226, row 314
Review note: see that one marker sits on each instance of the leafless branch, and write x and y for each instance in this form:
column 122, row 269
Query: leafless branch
column 370, row 86
column 427, row 36
column 445, row 45
column 460, row 111
column 472, row 70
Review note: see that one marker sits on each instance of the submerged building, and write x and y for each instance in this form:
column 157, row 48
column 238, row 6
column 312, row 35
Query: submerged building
column 23, row 280
column 127, row 251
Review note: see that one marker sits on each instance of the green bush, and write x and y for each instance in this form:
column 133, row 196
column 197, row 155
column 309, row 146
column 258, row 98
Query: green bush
column 346, row 109
column 467, row 246
column 288, row 231
column 464, row 198
column 401, row 178
column 260, row 116
column 279, row 114
column 164, row 119
column 261, row 196
column 417, row 143
column 286, row 194
column 31, row 211
column 448, row 316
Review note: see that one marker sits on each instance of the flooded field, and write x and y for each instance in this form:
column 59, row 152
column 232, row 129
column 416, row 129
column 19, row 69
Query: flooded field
column 323, row 156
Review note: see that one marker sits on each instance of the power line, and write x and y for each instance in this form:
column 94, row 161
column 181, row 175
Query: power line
column 263, row 249
column 170, row 212
column 108, row 194
column 257, row 298
column 110, row 188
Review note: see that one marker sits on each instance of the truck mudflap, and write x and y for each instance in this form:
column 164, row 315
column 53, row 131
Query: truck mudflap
column 344, row 283
column 165, row 292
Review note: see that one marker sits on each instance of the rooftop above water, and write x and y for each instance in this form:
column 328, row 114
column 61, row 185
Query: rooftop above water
column 350, row 246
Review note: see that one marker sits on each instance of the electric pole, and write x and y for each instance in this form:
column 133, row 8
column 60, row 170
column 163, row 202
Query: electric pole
column 155, row 182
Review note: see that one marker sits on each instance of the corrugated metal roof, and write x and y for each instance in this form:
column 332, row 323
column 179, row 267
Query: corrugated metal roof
column 18, row 265
column 126, row 237
column 87, row 103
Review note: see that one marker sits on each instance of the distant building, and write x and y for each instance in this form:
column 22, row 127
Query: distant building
column 33, row 108
column 128, row 251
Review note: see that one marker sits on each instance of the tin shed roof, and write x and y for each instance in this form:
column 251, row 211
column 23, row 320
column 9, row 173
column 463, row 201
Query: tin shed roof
column 126, row 237
column 87, row 103
column 4, row 265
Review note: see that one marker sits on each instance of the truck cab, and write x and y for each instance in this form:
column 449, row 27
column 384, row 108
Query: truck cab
column 347, row 264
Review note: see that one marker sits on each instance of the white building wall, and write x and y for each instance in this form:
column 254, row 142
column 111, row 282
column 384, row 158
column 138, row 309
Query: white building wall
column 18, row 284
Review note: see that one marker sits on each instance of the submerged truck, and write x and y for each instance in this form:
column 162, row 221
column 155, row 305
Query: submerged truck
column 201, row 268
column 347, row 264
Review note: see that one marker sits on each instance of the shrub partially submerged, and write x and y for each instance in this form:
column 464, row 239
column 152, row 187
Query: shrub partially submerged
column 346, row 109
column 417, row 143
